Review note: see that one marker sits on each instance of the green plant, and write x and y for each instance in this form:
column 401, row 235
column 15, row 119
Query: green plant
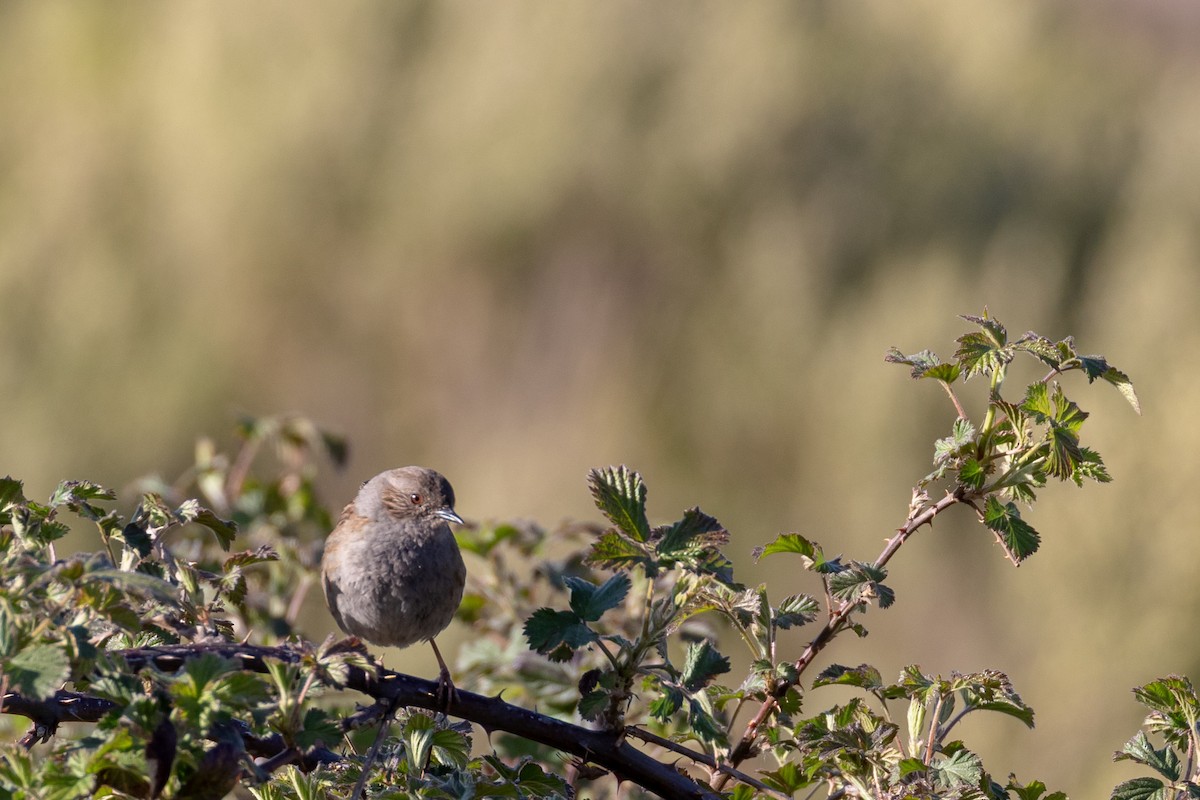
column 615, row 633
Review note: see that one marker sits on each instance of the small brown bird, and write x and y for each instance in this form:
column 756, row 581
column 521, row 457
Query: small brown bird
column 393, row 573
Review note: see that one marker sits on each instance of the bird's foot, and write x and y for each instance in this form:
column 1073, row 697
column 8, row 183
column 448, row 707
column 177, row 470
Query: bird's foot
column 446, row 693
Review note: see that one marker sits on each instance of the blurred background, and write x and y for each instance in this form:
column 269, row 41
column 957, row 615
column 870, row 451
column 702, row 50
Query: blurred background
column 513, row 241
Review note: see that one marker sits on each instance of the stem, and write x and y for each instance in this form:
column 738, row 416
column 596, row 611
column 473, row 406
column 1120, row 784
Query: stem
column 837, row 620
column 608, row 654
column 933, row 727
column 954, row 399
column 702, row 758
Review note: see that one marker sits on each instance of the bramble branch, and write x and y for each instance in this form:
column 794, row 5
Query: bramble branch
column 602, row 748
column 745, row 746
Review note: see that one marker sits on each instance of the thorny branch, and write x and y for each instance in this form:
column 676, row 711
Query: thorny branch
column 602, row 748
column 746, row 745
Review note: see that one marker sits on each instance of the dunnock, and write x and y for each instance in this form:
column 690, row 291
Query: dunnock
column 392, row 570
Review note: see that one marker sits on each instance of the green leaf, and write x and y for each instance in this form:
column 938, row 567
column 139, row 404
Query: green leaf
column 972, row 474
column 961, row 769
column 790, row 543
column 789, row 778
column 77, row 496
column 38, row 671
column 225, row 530
column 418, row 740
column 138, row 583
column 1037, row 402
column 1018, row 538
column 701, row 665
column 590, row 601
column 1170, row 695
column 696, row 531
column 990, row 326
column 859, row 583
column 1124, row 386
column 1141, row 789
column 557, row 634
column 613, row 550
column 983, row 351
column 667, row 703
column 1033, row 791
column 863, row 676
column 318, row 727
column 621, row 495
column 991, row 690
column 908, row 766
column 593, row 704
column 960, row 442
column 799, row 609
column 1165, row 761
column 1091, row 467
column 1039, row 346
column 703, row 724
column 246, row 558
column 925, row 364
column 10, row 493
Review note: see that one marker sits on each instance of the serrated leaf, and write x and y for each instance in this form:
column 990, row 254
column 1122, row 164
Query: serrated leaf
column 1090, row 467
column 138, row 583
column 703, row 724
column 1037, row 402
column 667, row 703
column 613, row 550
column 863, row 676
column 925, row 364
column 1018, row 537
column 1141, row 789
column 981, row 352
column 38, row 670
column 593, row 704
column 10, row 492
column 621, row 495
column 963, row 768
column 972, row 474
column 695, row 531
column 960, row 442
column 789, row 543
column 859, row 583
column 549, row 632
column 701, row 665
column 225, row 530
column 1039, row 346
column 318, row 726
column 789, row 778
column 990, row 326
column 1165, row 761
column 247, row 557
column 590, row 601
column 77, row 496
column 1124, row 386
column 799, row 609
column 908, row 766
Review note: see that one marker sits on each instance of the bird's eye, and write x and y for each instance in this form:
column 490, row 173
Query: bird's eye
column 416, row 499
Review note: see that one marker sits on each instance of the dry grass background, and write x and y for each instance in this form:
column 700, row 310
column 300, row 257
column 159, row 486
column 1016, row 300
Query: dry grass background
column 517, row 240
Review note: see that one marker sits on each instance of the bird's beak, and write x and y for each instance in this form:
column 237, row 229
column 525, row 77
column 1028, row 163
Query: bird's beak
column 447, row 513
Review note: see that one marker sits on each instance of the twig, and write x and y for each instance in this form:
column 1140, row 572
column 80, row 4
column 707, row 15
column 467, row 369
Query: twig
column 703, row 758
column 837, row 620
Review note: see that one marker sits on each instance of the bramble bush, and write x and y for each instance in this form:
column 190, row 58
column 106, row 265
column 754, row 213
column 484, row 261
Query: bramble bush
column 171, row 663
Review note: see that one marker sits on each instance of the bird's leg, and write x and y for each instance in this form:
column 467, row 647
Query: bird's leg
column 446, row 693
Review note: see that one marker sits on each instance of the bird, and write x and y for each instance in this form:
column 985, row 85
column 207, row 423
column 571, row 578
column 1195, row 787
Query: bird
column 392, row 571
